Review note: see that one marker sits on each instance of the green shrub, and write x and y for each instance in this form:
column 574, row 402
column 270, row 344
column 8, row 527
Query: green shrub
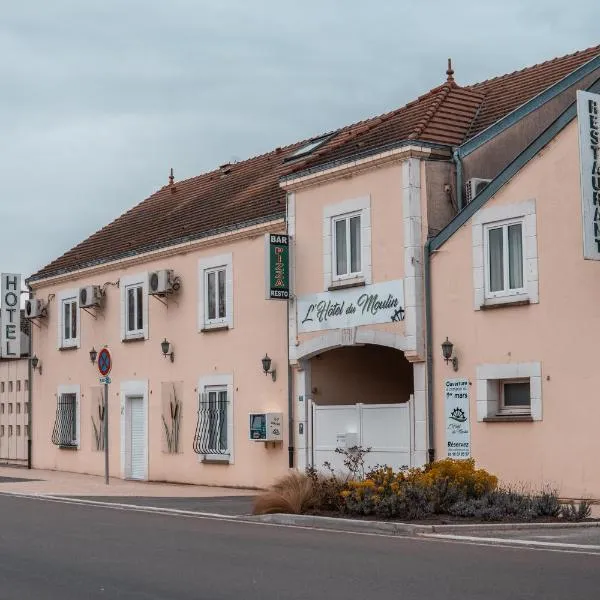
column 570, row 512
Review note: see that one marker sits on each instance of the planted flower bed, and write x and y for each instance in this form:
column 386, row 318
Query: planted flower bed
column 447, row 489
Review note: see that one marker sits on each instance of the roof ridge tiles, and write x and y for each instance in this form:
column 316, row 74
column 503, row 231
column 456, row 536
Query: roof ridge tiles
column 531, row 67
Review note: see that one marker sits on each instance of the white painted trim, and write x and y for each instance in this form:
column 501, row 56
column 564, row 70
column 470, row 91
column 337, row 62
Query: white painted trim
column 335, row 338
column 73, row 389
column 360, row 206
column 488, row 376
column 213, row 262
column 413, row 255
column 496, row 215
column 125, row 282
column 134, row 388
column 221, row 380
column 62, row 296
column 292, row 312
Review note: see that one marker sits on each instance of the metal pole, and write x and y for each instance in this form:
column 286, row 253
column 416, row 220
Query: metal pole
column 106, row 433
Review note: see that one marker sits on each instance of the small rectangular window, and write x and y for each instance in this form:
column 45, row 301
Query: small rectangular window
column 347, row 245
column 504, row 259
column 10, row 408
column 1, row 387
column 18, row 430
column 10, row 430
column 2, row 408
column 216, row 295
column 212, row 428
column 10, row 386
column 18, row 385
column 1, row 430
column 64, row 433
column 27, row 430
column 135, row 309
column 515, row 396
column 26, row 407
column 18, row 408
column 69, row 322
column 26, row 381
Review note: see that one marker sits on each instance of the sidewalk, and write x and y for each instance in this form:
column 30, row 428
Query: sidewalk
column 59, row 483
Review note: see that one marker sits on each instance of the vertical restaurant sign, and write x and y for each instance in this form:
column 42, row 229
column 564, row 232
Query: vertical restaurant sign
column 10, row 317
column 588, row 117
column 277, row 268
column 458, row 432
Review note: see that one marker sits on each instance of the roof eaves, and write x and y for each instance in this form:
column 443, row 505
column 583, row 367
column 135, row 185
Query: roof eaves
column 41, row 275
column 505, row 176
column 531, row 105
column 361, row 155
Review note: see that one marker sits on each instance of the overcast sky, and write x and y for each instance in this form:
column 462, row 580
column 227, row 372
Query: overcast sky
column 100, row 98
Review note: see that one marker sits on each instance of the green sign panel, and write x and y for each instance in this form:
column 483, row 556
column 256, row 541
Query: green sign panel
column 278, row 274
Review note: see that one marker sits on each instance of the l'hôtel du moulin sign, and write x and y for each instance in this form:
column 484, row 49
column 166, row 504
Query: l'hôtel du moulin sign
column 377, row 303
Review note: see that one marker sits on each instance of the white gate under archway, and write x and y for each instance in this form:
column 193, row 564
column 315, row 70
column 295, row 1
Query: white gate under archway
column 384, row 428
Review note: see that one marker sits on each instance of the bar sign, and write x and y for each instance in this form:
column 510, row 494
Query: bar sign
column 277, row 267
column 10, row 315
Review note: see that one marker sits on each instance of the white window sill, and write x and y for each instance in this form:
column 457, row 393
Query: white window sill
column 509, row 418
column 214, row 327
column 350, row 282
column 134, row 337
column 500, row 301
column 215, row 458
column 69, row 346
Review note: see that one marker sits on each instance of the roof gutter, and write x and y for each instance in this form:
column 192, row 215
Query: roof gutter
column 367, row 159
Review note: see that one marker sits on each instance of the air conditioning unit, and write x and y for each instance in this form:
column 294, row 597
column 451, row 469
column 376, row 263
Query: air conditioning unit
column 34, row 308
column 160, row 282
column 474, row 187
column 90, row 296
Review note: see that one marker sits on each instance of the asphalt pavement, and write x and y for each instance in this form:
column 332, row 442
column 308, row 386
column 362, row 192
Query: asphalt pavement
column 50, row 550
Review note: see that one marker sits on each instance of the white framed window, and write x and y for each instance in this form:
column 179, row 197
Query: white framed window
column 68, row 320
column 347, row 243
column 215, row 294
column 509, row 390
column 65, row 433
column 213, row 439
column 134, row 307
column 347, row 250
column 505, row 261
column 515, row 396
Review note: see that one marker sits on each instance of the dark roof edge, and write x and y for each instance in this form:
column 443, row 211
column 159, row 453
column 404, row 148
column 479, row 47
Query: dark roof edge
column 509, row 172
column 531, row 105
column 360, row 155
column 154, row 247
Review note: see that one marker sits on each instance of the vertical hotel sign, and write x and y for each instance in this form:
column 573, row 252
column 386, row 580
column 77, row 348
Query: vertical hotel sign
column 10, row 315
column 277, row 270
column 588, row 117
column 458, row 431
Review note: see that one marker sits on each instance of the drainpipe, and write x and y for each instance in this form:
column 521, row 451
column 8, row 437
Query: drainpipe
column 459, row 178
column 289, row 367
column 30, row 386
column 429, row 353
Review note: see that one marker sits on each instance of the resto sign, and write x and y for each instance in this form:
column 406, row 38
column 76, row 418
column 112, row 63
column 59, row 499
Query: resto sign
column 367, row 305
column 10, row 318
column 277, row 268
column 588, row 117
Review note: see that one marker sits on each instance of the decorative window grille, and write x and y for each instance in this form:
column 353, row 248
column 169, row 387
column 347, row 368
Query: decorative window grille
column 64, row 434
column 211, row 429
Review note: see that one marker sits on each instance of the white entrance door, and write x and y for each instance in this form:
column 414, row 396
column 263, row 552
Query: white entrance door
column 385, row 428
column 136, row 442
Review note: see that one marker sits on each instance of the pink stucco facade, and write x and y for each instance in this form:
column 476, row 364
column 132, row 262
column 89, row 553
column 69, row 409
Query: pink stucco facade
column 556, row 332
column 232, row 355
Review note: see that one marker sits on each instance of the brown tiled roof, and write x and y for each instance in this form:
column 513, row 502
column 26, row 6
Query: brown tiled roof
column 211, row 203
column 250, row 192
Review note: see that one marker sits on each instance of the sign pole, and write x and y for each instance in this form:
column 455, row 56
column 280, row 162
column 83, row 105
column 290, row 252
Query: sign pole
column 106, row 433
column 104, row 367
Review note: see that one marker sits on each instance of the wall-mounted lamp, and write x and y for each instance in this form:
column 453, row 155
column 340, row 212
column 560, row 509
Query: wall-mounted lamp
column 36, row 364
column 93, row 355
column 167, row 349
column 266, row 365
column 447, row 349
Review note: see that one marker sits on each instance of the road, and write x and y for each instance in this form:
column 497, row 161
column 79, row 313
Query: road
column 51, row 551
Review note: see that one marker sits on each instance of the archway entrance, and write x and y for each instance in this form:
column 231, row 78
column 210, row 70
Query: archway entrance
column 360, row 396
